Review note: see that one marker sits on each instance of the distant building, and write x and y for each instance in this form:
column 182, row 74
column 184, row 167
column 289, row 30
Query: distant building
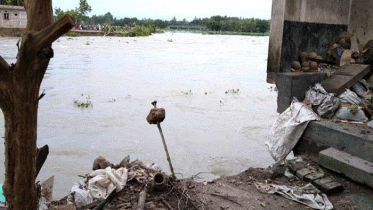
column 13, row 16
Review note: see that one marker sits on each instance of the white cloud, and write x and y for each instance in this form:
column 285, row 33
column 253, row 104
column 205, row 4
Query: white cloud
column 166, row 9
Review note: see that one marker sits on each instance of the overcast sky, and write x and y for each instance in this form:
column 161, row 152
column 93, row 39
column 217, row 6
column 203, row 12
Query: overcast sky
column 167, row 9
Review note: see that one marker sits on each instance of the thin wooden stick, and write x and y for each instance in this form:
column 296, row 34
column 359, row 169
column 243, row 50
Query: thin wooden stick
column 165, row 148
column 142, row 199
column 167, row 204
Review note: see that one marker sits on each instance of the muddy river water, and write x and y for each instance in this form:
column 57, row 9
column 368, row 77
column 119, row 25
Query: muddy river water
column 207, row 129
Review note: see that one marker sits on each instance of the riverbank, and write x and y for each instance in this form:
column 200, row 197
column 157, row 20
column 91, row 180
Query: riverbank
column 18, row 32
column 216, row 32
column 11, row 32
column 246, row 190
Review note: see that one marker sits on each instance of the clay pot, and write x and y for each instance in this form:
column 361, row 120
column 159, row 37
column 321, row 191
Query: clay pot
column 303, row 56
column 101, row 163
column 156, row 116
column 312, row 55
column 345, row 35
column 313, row 65
column 305, row 64
column 342, row 41
column 295, row 65
column 159, row 182
column 306, row 69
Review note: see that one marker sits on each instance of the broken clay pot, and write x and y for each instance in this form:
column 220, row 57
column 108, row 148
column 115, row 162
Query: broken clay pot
column 156, row 115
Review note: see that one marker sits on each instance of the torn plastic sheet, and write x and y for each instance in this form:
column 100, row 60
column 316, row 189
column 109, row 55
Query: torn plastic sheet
column 288, row 129
column 307, row 195
column 105, row 181
column 351, row 113
column 359, row 89
column 350, row 97
column 324, row 103
column 43, row 204
column 79, row 195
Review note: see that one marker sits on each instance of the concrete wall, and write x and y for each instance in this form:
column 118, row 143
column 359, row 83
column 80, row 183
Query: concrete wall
column 12, row 32
column 303, row 25
column 318, row 11
column 275, row 39
column 17, row 18
column 361, row 20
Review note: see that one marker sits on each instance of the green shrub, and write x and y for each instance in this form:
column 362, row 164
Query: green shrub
column 73, row 34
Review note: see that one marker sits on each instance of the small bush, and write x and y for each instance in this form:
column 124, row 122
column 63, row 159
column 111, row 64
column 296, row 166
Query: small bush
column 73, row 34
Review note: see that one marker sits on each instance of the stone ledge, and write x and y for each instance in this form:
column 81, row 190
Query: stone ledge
column 353, row 167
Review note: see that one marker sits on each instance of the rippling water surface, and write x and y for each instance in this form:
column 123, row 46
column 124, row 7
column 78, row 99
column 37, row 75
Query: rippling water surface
column 188, row 74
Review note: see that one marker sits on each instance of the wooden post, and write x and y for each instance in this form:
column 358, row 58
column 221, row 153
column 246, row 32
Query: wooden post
column 19, row 99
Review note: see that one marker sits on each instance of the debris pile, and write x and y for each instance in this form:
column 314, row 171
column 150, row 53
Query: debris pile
column 128, row 185
column 353, row 105
column 345, row 95
column 346, row 49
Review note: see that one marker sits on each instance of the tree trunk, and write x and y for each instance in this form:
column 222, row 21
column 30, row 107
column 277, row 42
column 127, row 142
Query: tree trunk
column 19, row 99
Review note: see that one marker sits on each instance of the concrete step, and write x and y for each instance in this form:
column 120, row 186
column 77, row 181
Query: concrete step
column 345, row 77
column 353, row 167
column 354, row 139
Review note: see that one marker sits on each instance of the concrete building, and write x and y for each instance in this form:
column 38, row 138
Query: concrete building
column 12, row 16
column 311, row 25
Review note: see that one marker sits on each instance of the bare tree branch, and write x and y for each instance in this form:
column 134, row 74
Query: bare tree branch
column 54, row 31
column 4, row 66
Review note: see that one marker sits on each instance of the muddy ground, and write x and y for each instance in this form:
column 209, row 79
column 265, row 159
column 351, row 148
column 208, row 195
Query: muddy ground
column 234, row 193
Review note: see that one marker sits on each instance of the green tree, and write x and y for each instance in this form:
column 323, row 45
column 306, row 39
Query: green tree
column 59, row 13
column 84, row 7
column 12, row 2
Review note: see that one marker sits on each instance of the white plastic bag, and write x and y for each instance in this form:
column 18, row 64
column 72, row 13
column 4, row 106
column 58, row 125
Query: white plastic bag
column 359, row 89
column 288, row 129
column 81, row 195
column 350, row 97
column 324, row 103
column 347, row 112
column 307, row 195
column 105, row 181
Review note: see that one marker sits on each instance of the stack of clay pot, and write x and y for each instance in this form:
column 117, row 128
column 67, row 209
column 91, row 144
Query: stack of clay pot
column 305, row 65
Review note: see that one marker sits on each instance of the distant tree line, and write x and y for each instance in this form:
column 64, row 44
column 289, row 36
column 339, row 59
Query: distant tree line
column 11, row 2
column 214, row 23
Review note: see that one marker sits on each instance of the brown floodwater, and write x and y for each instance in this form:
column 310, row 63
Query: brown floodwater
column 207, row 129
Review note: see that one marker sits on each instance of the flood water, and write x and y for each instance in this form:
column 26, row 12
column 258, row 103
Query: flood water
column 188, row 74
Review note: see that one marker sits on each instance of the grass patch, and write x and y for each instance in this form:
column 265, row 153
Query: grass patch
column 84, row 104
column 233, row 91
column 218, row 32
column 73, row 34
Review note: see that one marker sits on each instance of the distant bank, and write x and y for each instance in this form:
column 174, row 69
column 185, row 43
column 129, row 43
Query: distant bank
column 17, row 32
column 217, row 32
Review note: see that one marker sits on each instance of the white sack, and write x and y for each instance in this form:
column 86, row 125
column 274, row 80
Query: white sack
column 349, row 97
column 288, row 129
column 345, row 113
column 324, row 103
column 105, row 181
column 307, row 195
column 80, row 195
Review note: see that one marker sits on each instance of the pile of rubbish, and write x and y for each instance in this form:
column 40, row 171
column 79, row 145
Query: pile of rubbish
column 122, row 186
column 354, row 105
column 346, row 49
